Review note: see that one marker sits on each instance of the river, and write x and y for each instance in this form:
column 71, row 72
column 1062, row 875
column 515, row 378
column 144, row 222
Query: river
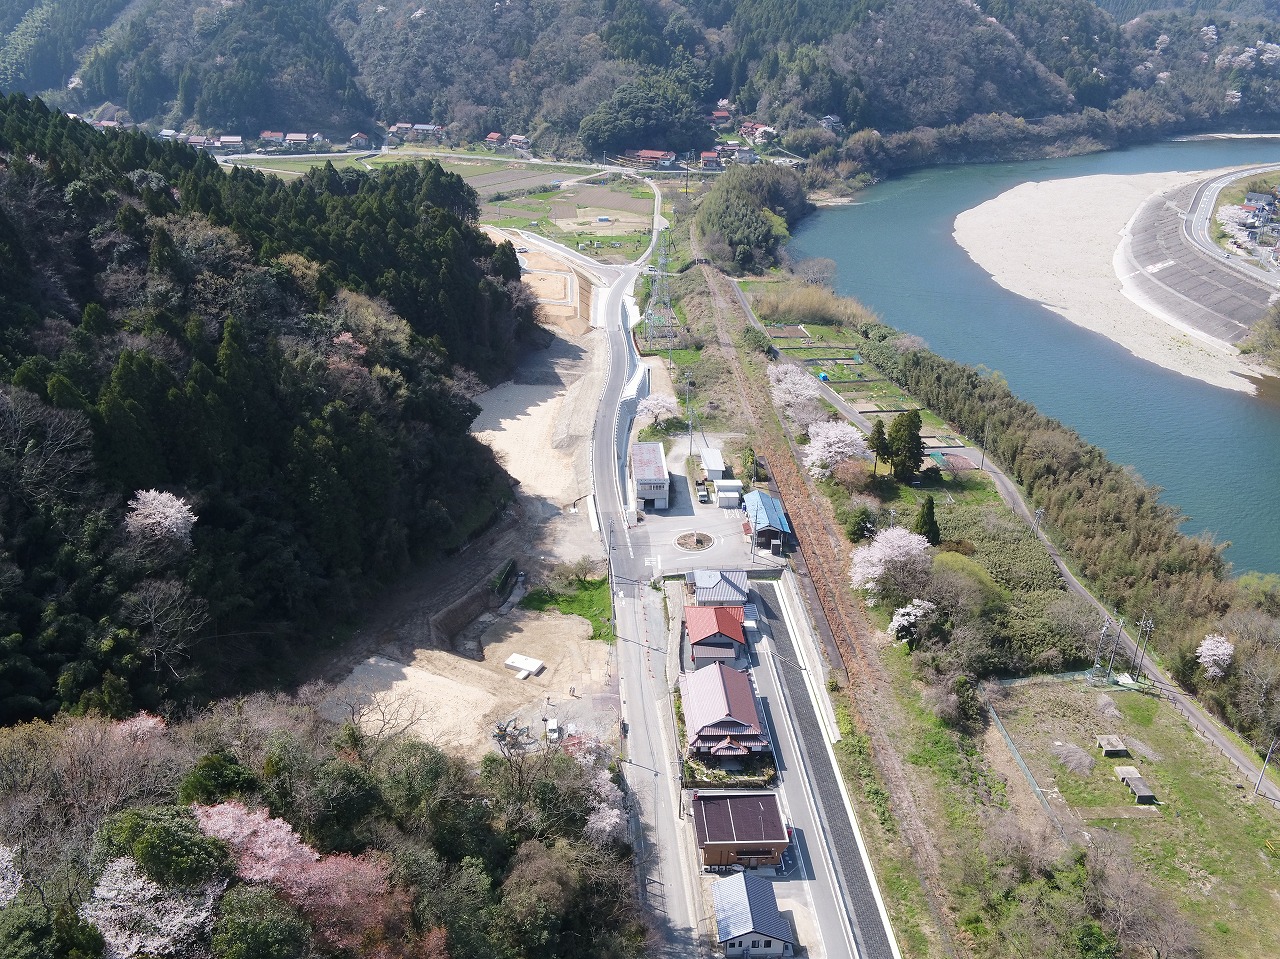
column 1214, row 452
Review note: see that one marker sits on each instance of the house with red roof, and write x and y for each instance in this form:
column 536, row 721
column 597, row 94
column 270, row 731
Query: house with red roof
column 721, row 718
column 715, row 633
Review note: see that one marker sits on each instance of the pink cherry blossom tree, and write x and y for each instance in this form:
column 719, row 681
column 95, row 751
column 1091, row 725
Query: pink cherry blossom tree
column 658, row 407
column 831, row 444
column 1215, row 655
column 265, row 849
column 348, row 899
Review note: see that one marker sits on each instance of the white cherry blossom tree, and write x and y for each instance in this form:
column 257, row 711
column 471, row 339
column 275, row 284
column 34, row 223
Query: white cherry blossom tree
column 155, row 516
column 138, row 916
column 895, row 557
column 831, row 444
column 1215, row 655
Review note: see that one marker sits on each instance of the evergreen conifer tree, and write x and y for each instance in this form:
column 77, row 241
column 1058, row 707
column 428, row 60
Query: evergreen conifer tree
column 926, row 523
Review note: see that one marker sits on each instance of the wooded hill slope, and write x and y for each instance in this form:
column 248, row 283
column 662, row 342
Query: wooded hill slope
column 544, row 67
column 278, row 362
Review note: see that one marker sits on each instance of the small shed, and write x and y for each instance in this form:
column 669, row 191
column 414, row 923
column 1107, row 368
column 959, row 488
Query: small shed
column 1143, row 795
column 1112, row 746
column 728, row 493
column 767, row 518
column 712, row 463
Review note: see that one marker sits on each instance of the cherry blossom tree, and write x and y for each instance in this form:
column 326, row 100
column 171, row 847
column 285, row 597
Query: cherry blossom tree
column 895, row 557
column 1215, row 655
column 347, row 898
column 831, row 444
column 10, row 877
column 796, row 393
column 265, row 849
column 607, row 821
column 156, row 517
column 136, row 916
column 905, row 625
column 658, row 407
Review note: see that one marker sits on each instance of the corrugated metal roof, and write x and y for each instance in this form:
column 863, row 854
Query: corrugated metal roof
column 738, row 817
column 712, row 459
column 720, row 587
column 649, row 462
column 746, row 904
column 765, row 512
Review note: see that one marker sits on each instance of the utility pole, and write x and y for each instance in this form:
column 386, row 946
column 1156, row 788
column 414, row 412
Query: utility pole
column 688, row 408
column 1265, row 763
column 1102, row 640
column 986, row 429
column 1145, row 626
column 1115, row 647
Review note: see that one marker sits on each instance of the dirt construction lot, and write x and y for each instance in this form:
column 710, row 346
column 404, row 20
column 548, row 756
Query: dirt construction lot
column 456, row 701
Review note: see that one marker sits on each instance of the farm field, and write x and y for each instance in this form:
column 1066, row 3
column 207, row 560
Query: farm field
column 1207, row 840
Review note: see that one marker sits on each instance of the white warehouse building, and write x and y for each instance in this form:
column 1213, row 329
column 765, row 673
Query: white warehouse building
column 649, row 473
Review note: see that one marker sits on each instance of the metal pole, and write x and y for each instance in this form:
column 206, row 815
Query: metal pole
column 1102, row 639
column 1115, row 648
column 1264, row 766
column 688, row 408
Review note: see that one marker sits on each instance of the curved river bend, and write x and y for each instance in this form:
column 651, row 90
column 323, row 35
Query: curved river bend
column 1215, row 452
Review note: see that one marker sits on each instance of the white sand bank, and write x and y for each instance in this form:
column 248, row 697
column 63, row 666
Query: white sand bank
column 1067, row 265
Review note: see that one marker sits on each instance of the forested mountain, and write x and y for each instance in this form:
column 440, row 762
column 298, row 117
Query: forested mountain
column 227, row 404
column 571, row 73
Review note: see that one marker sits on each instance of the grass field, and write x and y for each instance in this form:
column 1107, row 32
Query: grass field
column 1210, row 844
column 590, row 599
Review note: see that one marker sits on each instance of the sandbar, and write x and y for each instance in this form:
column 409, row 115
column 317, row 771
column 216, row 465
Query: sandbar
column 1066, row 264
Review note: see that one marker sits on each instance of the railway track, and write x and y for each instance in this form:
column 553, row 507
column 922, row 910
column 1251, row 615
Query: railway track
column 826, row 557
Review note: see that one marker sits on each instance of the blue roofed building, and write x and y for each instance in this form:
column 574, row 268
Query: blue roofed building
column 748, row 922
column 767, row 519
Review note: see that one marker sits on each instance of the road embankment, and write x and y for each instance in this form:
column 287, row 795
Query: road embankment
column 1055, row 242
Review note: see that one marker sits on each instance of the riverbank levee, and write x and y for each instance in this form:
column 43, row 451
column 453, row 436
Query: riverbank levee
column 1064, row 244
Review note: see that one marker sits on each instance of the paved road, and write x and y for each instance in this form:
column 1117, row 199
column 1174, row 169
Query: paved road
column 847, row 903
column 1167, row 259
column 1200, row 215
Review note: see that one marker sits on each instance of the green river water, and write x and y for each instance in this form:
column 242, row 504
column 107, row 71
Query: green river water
column 1215, row 452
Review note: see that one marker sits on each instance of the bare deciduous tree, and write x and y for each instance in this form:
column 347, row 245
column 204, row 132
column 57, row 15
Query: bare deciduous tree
column 47, row 451
column 168, row 619
column 818, row 270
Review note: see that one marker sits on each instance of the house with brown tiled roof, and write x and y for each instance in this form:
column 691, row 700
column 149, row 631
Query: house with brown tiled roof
column 715, row 633
column 721, row 718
